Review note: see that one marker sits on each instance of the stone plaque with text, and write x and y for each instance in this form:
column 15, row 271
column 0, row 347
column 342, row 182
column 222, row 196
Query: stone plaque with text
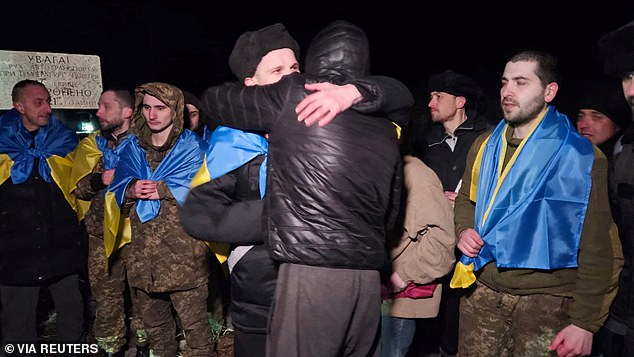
column 73, row 80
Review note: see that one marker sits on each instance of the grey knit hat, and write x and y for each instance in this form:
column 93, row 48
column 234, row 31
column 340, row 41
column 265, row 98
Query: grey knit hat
column 251, row 46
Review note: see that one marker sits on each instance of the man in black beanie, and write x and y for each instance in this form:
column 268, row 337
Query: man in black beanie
column 195, row 119
column 257, row 48
column 602, row 114
column 617, row 334
column 453, row 103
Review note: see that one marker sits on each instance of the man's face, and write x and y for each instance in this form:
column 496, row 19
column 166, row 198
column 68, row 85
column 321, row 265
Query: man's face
column 157, row 115
column 273, row 66
column 628, row 88
column 194, row 116
column 595, row 126
column 522, row 95
column 34, row 105
column 442, row 106
column 110, row 113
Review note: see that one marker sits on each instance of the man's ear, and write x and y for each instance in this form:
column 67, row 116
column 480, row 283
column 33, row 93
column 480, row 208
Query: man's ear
column 461, row 102
column 250, row 81
column 551, row 91
column 127, row 112
column 19, row 107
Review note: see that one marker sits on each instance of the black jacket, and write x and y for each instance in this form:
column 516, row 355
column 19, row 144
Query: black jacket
column 447, row 164
column 328, row 189
column 622, row 197
column 229, row 210
column 40, row 238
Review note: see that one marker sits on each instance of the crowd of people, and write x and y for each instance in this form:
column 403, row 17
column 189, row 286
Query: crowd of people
column 299, row 211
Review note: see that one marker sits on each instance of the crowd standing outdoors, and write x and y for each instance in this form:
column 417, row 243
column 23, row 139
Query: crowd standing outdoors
column 289, row 193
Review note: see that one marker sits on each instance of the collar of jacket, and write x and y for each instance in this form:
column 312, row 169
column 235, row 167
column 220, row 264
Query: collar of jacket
column 438, row 135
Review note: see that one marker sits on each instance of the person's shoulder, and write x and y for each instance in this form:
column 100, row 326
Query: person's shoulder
column 484, row 135
column 599, row 155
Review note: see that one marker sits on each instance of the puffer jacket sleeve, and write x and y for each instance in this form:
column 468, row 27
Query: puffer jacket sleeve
column 210, row 214
column 384, row 96
column 395, row 198
column 247, row 108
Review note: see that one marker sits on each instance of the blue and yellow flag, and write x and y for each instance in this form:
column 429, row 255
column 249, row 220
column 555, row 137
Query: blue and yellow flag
column 176, row 170
column 19, row 149
column 83, row 160
column 229, row 149
column 530, row 212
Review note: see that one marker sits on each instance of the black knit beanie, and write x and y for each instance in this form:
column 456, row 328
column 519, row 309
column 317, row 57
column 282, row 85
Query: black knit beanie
column 251, row 46
column 190, row 98
column 455, row 84
column 607, row 98
column 617, row 51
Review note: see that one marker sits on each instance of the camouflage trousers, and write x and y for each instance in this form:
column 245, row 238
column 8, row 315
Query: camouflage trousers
column 109, row 290
column 159, row 321
column 498, row 324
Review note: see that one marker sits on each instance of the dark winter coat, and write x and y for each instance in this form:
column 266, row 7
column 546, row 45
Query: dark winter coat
column 328, row 188
column 229, row 210
column 40, row 237
column 447, row 164
column 622, row 196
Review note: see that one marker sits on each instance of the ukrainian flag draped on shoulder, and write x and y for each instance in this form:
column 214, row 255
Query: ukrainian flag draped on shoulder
column 84, row 159
column 229, row 149
column 531, row 212
column 176, row 170
column 19, row 149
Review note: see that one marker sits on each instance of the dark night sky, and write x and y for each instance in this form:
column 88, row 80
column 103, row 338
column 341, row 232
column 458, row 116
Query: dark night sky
column 183, row 43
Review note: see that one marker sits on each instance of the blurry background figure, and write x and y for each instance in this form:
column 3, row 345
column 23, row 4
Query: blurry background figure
column 602, row 114
column 617, row 55
column 453, row 102
column 195, row 118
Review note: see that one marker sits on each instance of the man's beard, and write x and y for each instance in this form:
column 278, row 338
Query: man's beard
column 525, row 114
column 109, row 130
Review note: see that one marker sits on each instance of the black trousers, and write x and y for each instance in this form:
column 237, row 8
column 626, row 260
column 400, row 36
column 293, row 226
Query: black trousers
column 248, row 344
column 19, row 311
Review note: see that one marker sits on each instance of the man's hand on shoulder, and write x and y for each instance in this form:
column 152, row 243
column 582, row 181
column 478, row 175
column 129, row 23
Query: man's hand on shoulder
column 326, row 102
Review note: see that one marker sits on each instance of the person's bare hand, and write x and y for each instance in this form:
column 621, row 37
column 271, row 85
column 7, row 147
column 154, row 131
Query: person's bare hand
column 451, row 196
column 572, row 341
column 398, row 284
column 107, row 176
column 470, row 242
column 326, row 102
column 146, row 190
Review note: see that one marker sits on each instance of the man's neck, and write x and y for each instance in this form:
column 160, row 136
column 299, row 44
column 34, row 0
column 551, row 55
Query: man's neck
column 457, row 120
column 160, row 138
column 114, row 133
column 120, row 130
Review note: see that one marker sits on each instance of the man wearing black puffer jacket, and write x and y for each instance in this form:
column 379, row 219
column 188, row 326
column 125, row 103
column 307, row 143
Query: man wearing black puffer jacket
column 329, row 191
